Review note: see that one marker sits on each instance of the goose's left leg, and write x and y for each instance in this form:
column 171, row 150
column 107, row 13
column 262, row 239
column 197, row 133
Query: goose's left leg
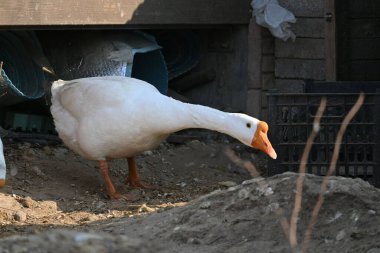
column 111, row 191
column 133, row 178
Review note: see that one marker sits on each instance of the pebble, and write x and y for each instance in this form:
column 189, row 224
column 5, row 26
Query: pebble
column 227, row 183
column 374, row 250
column 39, row 172
column 371, row 212
column 148, row 153
column 193, row 241
column 27, row 202
column 340, row 236
column 20, row 216
column 13, row 169
column 205, row 205
column 47, row 150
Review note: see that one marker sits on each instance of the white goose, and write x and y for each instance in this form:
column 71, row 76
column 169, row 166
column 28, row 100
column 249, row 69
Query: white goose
column 110, row 117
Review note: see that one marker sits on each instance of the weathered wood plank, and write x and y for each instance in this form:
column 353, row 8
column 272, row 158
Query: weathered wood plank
column 302, row 49
column 309, row 28
column 330, row 42
column 300, row 69
column 121, row 12
column 290, row 85
column 305, row 8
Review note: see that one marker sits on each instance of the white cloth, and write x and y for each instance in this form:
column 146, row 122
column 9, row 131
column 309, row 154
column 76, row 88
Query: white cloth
column 271, row 15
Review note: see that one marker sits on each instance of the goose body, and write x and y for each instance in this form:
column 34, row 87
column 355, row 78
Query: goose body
column 117, row 117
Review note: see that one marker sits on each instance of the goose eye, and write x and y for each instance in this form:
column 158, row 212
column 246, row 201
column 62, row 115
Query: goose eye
column 249, row 125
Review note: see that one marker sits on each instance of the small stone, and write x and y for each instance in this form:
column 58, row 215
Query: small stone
column 27, row 202
column 340, row 236
column 205, row 205
column 272, row 207
column 243, row 194
column 374, row 250
column 227, row 183
column 100, row 204
column 193, row 241
column 39, row 172
column 148, row 153
column 13, row 169
column 20, row 216
column 372, row 212
column 47, row 150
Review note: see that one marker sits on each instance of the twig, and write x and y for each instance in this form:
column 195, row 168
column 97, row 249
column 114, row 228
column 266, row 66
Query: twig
column 332, row 167
column 301, row 177
column 251, row 168
column 241, row 163
column 284, row 222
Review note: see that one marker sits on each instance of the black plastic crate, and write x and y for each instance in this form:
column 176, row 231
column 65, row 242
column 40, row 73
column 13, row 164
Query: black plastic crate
column 291, row 120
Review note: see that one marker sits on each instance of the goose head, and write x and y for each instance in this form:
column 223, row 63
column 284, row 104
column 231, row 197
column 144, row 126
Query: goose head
column 253, row 133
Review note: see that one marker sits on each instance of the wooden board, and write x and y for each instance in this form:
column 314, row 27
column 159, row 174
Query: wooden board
column 304, row 8
column 309, row 28
column 302, row 48
column 121, row 12
column 330, row 41
column 300, row 69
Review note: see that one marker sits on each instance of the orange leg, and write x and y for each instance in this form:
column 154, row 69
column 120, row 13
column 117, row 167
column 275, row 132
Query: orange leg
column 111, row 191
column 133, row 178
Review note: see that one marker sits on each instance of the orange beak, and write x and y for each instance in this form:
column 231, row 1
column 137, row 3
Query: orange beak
column 260, row 140
column 2, row 183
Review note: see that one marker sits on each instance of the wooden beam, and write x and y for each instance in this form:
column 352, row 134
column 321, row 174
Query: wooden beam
column 330, row 40
column 123, row 12
column 302, row 48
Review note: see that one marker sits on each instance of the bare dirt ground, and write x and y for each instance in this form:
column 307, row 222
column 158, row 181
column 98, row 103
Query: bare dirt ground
column 53, row 191
column 50, row 186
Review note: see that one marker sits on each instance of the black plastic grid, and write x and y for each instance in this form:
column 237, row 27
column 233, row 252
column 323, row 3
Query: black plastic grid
column 291, row 120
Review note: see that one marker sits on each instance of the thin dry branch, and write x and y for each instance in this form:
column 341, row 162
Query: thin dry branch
column 332, row 167
column 241, row 163
column 300, row 180
column 251, row 168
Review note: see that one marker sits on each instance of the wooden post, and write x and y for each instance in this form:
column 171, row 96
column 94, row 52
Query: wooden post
column 330, row 40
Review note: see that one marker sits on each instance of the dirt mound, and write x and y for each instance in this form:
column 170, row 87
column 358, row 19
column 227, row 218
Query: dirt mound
column 243, row 219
